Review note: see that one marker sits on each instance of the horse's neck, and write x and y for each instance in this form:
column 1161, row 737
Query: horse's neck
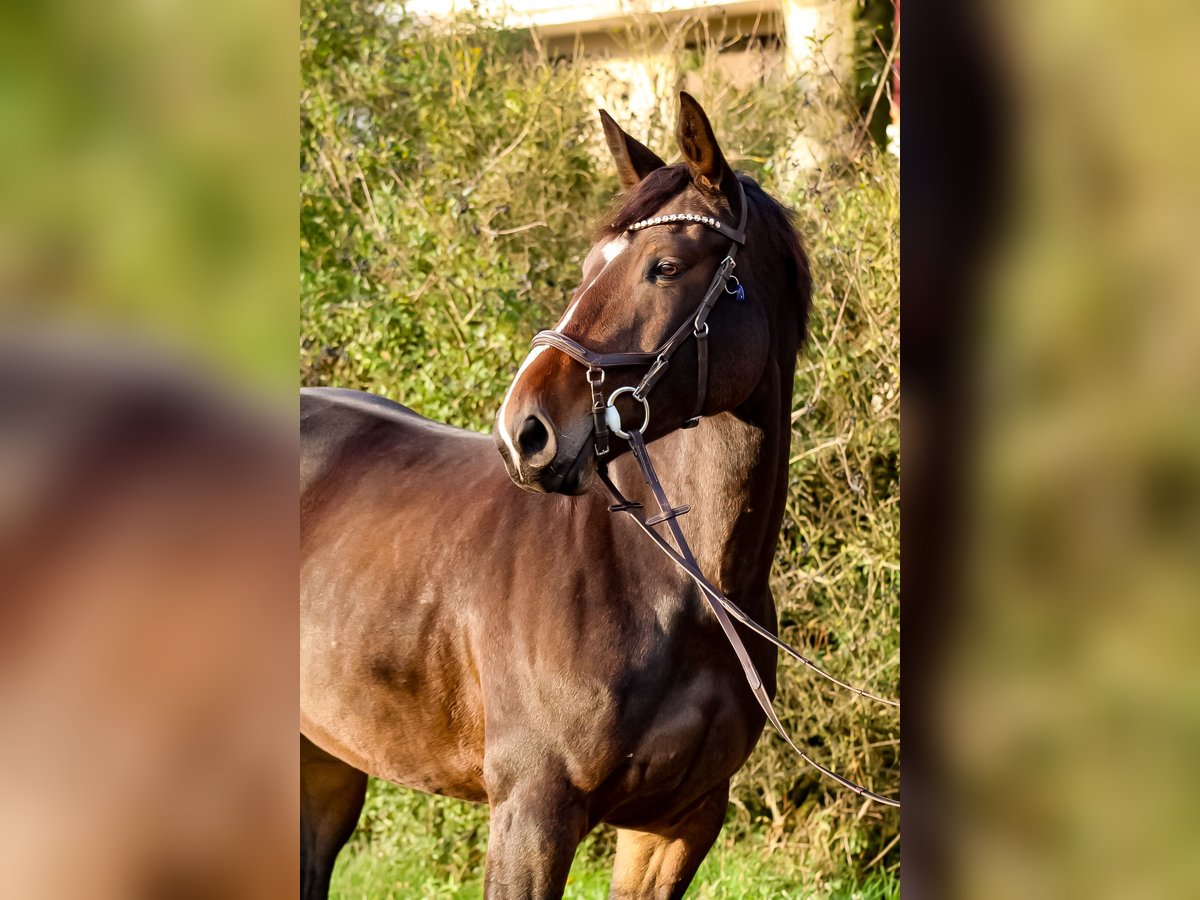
column 732, row 471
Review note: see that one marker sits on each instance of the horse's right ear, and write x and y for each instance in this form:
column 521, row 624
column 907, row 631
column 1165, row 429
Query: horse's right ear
column 634, row 159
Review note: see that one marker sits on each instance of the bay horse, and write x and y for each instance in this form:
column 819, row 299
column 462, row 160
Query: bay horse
column 147, row 626
column 526, row 648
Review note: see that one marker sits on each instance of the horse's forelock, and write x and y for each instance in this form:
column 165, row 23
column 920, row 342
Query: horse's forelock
column 650, row 195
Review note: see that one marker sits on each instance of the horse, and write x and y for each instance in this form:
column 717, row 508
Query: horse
column 480, row 625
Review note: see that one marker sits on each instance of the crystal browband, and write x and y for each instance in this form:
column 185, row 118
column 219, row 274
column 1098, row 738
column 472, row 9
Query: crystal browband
column 711, row 221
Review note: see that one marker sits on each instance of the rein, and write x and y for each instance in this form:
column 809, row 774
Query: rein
column 606, row 418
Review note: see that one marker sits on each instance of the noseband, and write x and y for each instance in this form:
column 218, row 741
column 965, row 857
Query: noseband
column 606, row 418
column 604, row 414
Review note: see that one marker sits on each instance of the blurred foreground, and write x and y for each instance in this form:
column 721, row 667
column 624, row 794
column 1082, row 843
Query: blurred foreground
column 147, row 629
column 1052, row 426
column 147, row 505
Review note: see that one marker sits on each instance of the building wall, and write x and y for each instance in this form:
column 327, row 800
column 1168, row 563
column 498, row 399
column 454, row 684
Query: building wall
column 629, row 48
column 815, row 35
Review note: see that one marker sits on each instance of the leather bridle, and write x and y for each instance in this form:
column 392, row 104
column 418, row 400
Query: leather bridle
column 695, row 327
column 606, row 419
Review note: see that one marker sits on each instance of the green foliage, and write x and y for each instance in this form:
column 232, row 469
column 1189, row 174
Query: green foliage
column 730, row 872
column 450, row 178
column 837, row 573
column 874, row 37
column 442, row 178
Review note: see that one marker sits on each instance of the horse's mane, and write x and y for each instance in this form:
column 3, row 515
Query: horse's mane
column 780, row 238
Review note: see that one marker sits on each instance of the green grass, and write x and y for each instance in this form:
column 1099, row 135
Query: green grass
column 730, row 871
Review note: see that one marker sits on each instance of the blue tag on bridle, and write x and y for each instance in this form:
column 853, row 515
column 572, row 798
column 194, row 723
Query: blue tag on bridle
column 739, row 293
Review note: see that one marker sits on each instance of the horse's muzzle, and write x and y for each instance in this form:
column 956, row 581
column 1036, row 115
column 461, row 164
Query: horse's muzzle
column 540, row 460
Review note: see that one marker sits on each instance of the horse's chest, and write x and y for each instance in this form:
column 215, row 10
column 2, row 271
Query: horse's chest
column 698, row 730
column 680, row 742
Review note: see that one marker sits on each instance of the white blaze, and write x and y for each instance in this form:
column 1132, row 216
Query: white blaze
column 503, row 418
column 609, row 252
column 613, row 248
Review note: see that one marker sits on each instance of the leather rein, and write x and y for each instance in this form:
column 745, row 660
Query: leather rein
column 607, row 419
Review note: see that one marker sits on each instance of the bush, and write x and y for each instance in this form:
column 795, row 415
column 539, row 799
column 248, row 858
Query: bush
column 428, row 250
column 449, row 179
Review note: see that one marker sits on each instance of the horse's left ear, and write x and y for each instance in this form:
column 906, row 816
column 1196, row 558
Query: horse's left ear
column 634, row 159
column 710, row 172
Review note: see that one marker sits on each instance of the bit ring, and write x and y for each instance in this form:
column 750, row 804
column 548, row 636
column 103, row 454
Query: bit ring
column 612, row 418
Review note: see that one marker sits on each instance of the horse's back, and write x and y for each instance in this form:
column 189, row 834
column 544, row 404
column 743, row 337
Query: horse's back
column 314, row 399
column 340, row 425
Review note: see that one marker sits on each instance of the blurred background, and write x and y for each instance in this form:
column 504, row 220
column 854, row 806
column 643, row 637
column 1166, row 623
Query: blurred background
column 1052, row 432
column 139, row 172
column 452, row 170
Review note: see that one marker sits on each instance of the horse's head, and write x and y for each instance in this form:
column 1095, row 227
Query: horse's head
column 645, row 286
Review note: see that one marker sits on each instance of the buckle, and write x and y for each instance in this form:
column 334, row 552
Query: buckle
column 672, row 513
column 651, row 376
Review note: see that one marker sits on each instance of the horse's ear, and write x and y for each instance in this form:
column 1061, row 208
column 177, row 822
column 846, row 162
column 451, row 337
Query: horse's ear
column 634, row 159
column 701, row 152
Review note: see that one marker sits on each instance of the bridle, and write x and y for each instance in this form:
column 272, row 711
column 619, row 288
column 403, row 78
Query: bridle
column 606, row 418
column 604, row 414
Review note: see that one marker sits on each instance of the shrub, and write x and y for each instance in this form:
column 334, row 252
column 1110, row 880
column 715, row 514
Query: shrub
column 441, row 191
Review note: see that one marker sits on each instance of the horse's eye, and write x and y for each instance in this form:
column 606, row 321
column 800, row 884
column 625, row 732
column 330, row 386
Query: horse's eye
column 667, row 269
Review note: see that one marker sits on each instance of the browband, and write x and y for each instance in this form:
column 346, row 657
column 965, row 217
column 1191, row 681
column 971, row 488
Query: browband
column 737, row 235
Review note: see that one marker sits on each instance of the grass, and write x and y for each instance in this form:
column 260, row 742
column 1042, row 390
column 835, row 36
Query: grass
column 730, row 871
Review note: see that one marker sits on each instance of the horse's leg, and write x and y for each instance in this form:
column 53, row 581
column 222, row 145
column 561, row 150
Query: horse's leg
column 661, row 865
column 331, row 797
column 535, row 828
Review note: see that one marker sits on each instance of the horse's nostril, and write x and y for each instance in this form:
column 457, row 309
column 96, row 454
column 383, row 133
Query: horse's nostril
column 533, row 436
